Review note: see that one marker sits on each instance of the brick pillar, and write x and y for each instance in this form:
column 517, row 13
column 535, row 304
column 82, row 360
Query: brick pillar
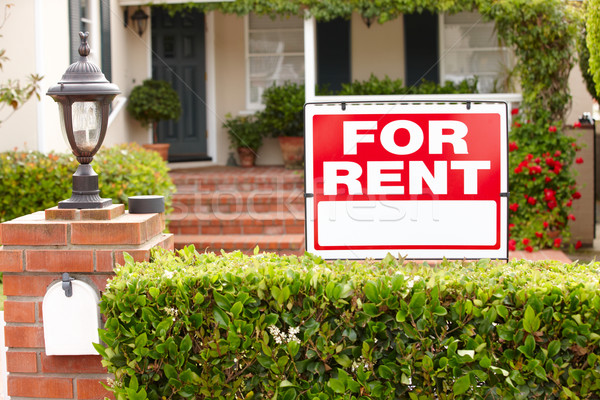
column 36, row 249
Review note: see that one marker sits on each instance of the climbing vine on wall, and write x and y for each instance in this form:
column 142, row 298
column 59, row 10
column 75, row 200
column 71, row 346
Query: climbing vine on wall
column 593, row 41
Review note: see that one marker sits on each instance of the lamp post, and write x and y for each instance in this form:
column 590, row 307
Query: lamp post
column 84, row 96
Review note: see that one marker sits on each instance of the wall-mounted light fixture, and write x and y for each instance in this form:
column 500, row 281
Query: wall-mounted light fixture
column 139, row 20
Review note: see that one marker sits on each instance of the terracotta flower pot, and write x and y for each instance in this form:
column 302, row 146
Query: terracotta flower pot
column 292, row 151
column 247, row 157
column 160, row 148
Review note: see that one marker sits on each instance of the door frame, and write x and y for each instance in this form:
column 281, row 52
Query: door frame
column 210, row 68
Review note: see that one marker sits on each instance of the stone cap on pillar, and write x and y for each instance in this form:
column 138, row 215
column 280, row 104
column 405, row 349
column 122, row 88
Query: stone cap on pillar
column 97, row 214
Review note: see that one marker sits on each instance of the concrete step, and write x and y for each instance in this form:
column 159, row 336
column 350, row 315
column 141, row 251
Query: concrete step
column 281, row 244
column 253, row 223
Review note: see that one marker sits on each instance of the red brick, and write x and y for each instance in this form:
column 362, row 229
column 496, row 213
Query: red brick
column 11, row 260
column 59, row 260
column 40, row 387
column 91, row 389
column 19, row 311
column 89, row 364
column 34, row 233
column 138, row 256
column 98, row 233
column 24, row 285
column 167, row 242
column 100, row 281
column 24, row 336
column 105, row 214
column 104, row 261
column 21, row 361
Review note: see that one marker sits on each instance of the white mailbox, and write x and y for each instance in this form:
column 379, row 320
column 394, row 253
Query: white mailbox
column 71, row 322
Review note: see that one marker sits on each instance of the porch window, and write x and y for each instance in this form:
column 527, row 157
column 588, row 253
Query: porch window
column 469, row 47
column 274, row 54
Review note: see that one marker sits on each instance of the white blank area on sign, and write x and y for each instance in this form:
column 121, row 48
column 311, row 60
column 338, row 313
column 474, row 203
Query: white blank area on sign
column 407, row 223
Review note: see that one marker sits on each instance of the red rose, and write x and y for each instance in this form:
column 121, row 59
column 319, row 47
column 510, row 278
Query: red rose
column 529, row 249
column 557, row 242
column 552, row 204
column 576, row 195
column 579, row 160
column 512, row 146
column 552, row 129
column 526, row 241
column 546, row 224
column 514, row 111
column 547, row 179
column 550, row 161
column 510, row 226
column 577, row 124
column 514, row 207
column 578, row 244
column 517, row 125
column 549, row 194
column 557, row 153
column 569, row 203
column 518, row 170
column 512, row 245
column 539, row 234
column 531, row 201
column 571, row 217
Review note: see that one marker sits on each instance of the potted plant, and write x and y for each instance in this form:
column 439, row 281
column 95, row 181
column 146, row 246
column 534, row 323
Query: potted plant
column 246, row 136
column 283, row 117
column 151, row 102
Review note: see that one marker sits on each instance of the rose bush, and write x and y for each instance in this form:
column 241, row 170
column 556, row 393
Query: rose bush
column 542, row 185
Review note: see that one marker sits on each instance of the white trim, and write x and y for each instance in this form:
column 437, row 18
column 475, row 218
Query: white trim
column 39, row 69
column 310, row 58
column 507, row 97
column 211, row 86
column 118, row 105
column 249, row 105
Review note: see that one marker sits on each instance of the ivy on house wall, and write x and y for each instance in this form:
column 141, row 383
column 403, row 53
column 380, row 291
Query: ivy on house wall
column 593, row 41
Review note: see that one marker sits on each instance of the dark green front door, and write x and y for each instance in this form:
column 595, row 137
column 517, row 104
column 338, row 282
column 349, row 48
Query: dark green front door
column 178, row 57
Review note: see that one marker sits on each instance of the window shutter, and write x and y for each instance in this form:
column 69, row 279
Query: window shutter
column 74, row 27
column 105, row 38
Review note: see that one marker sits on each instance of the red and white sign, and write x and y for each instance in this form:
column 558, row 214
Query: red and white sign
column 424, row 181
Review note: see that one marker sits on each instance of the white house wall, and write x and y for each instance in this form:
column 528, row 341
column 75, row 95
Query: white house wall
column 24, row 46
column 378, row 49
column 131, row 64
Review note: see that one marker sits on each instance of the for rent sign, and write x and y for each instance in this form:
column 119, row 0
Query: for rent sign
column 423, row 180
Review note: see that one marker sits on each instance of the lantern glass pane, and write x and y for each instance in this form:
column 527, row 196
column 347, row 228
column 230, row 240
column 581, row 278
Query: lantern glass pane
column 87, row 120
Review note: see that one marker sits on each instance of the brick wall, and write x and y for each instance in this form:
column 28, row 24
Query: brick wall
column 36, row 249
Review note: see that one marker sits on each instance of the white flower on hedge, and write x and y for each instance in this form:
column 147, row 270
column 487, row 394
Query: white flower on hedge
column 281, row 337
column 172, row 312
column 168, row 274
column 414, row 280
column 362, row 364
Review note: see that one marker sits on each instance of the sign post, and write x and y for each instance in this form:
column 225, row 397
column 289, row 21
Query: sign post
column 419, row 180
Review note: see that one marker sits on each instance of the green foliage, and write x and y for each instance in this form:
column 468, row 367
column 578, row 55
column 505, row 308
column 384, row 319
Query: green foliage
column 376, row 86
column 203, row 326
column 284, row 110
column 584, row 59
column 33, row 181
column 543, row 35
column 542, row 185
column 593, row 41
column 153, row 101
column 244, row 131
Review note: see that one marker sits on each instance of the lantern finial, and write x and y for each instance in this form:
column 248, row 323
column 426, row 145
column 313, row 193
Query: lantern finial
column 84, row 48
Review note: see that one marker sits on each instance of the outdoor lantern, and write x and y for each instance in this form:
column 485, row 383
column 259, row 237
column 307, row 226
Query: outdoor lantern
column 140, row 20
column 84, row 96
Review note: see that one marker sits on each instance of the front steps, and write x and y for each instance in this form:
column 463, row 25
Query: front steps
column 238, row 209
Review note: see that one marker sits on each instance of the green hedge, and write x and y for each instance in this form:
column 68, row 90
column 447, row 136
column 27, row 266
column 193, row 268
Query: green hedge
column 203, row 326
column 33, row 181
